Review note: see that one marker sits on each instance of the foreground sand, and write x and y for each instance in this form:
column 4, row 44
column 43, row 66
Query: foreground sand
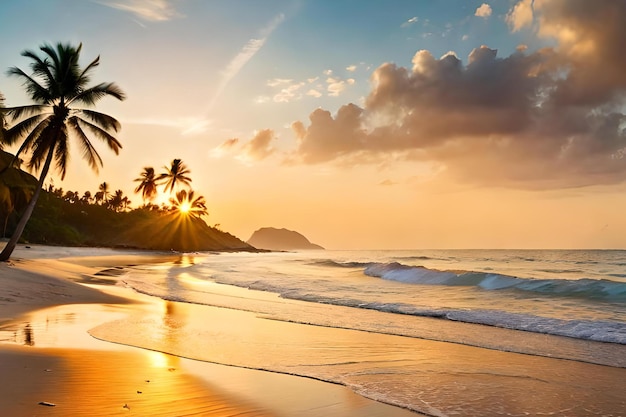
column 50, row 366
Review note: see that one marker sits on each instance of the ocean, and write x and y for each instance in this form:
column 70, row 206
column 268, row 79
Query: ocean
column 439, row 332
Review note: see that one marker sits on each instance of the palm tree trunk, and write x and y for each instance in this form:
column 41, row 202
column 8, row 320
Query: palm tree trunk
column 19, row 229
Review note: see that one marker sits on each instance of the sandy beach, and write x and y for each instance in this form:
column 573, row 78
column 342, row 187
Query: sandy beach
column 52, row 366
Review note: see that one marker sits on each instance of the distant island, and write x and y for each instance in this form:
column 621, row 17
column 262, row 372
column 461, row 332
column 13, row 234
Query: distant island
column 271, row 238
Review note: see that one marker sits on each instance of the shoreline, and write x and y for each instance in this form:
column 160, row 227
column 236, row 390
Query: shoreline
column 51, row 302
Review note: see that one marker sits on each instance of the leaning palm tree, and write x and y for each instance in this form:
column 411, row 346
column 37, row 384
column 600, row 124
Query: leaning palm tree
column 147, row 184
column 57, row 85
column 176, row 173
column 186, row 203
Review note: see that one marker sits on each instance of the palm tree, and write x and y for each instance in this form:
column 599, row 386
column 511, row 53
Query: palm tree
column 116, row 202
column 147, row 184
column 185, row 203
column 2, row 125
column 86, row 198
column 176, row 173
column 57, row 84
column 103, row 190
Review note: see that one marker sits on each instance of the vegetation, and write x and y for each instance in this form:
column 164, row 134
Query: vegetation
column 91, row 219
column 105, row 218
column 60, row 218
column 57, row 85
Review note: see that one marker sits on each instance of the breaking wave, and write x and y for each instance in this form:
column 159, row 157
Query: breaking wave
column 592, row 289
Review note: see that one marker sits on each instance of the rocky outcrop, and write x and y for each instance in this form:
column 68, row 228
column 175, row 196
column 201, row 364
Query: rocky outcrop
column 270, row 238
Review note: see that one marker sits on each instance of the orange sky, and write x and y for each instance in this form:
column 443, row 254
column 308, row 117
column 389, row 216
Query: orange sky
column 461, row 124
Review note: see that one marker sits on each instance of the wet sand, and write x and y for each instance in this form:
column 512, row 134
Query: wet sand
column 51, row 366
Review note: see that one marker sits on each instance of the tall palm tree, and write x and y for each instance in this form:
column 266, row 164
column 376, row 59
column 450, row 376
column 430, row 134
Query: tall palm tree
column 57, row 85
column 187, row 203
column 147, row 184
column 2, row 124
column 176, row 173
column 104, row 190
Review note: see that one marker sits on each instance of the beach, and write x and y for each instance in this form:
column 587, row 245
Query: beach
column 108, row 332
column 52, row 366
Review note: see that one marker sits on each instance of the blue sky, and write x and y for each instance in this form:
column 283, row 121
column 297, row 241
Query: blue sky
column 285, row 110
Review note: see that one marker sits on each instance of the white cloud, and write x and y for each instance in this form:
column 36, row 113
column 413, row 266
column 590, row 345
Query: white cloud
column 245, row 54
column 464, row 37
column 152, row 10
column 186, row 125
column 520, row 15
column 288, row 93
column 351, row 68
column 409, row 22
column 313, row 93
column 278, row 81
column 336, row 87
column 483, row 11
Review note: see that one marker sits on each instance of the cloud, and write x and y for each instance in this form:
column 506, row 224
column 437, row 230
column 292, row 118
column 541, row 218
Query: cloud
column 224, row 148
column 351, row 68
column 258, row 148
column 186, row 125
column 541, row 119
column 313, row 93
column 246, row 53
column 520, row 15
column 151, row 10
column 483, row 11
column 288, row 93
column 336, row 86
column 409, row 22
column 279, row 81
column 287, row 90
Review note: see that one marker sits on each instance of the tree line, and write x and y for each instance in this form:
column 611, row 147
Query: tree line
column 63, row 102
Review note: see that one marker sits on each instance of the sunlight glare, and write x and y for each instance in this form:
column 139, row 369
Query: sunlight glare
column 184, row 207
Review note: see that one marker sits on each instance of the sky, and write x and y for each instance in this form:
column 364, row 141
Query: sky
column 361, row 124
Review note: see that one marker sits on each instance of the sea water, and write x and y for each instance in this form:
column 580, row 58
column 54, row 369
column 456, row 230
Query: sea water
column 470, row 332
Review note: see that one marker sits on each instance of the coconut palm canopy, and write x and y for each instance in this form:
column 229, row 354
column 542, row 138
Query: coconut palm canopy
column 147, row 184
column 185, row 202
column 60, row 89
column 176, row 173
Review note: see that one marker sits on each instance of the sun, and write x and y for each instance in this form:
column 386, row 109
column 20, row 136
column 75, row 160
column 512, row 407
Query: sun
column 184, row 207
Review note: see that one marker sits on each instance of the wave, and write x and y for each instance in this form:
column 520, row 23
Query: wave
column 336, row 264
column 594, row 330
column 592, row 289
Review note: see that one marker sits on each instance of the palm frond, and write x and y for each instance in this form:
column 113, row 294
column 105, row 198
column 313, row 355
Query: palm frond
column 37, row 92
column 104, row 120
column 92, row 95
column 84, row 76
column 52, row 54
column 17, row 131
column 41, row 67
column 21, row 111
column 113, row 143
column 89, row 152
